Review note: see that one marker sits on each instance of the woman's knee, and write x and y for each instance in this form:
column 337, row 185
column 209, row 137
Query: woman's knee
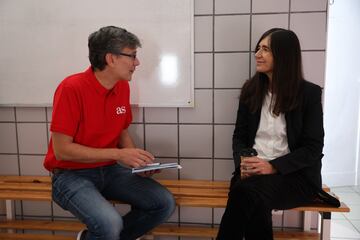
column 244, row 194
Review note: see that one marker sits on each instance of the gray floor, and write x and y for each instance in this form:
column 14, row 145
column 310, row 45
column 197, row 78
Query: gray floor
column 347, row 226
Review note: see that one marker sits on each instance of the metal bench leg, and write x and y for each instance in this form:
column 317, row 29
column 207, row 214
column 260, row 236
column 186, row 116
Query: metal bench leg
column 325, row 226
column 307, row 221
column 10, row 212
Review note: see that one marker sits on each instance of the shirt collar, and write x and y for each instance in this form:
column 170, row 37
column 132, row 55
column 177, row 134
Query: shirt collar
column 96, row 84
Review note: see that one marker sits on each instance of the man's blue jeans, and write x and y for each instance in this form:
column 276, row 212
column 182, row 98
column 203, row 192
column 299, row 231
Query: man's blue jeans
column 85, row 192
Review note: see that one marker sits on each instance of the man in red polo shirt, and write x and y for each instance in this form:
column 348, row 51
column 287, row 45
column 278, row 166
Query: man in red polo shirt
column 91, row 152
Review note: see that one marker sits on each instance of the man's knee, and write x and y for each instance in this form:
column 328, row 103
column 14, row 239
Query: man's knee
column 167, row 202
column 107, row 226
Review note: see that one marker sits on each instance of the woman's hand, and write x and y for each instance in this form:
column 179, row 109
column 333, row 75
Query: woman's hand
column 251, row 166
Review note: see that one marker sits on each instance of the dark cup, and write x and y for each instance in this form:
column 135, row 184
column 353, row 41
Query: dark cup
column 248, row 152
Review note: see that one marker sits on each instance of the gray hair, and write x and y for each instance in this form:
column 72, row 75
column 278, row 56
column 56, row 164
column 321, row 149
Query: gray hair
column 109, row 39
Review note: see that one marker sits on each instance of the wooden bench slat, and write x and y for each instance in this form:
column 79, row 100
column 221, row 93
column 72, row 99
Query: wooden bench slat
column 32, row 179
column 187, row 193
column 43, row 183
column 25, row 186
column 58, row 225
column 323, row 208
column 194, row 183
column 184, row 231
column 25, row 195
column 163, row 230
column 27, row 236
column 197, row 192
column 182, row 199
column 201, row 202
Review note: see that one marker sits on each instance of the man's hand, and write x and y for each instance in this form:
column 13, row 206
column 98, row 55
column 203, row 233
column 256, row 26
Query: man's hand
column 133, row 157
column 255, row 166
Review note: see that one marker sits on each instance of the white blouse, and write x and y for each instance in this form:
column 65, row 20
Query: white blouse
column 271, row 139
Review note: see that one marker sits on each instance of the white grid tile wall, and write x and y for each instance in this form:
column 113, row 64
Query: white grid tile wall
column 199, row 138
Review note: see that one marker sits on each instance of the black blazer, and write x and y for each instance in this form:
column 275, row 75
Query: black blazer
column 305, row 133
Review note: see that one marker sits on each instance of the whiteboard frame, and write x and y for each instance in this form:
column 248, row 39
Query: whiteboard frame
column 188, row 102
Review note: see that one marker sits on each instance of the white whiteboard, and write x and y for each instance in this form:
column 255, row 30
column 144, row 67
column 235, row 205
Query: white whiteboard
column 43, row 41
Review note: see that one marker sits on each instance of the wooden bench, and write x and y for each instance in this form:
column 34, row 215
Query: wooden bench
column 190, row 193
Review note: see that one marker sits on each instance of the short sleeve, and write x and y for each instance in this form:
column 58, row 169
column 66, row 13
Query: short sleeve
column 66, row 110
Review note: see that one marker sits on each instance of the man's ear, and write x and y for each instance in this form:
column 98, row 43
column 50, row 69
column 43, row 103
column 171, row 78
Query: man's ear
column 109, row 59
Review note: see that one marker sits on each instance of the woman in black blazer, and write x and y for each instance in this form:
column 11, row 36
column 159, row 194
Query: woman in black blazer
column 280, row 116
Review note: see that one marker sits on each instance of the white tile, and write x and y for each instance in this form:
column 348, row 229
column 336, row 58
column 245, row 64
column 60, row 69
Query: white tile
column 196, row 169
column 7, row 114
column 32, row 165
column 203, row 6
column 356, row 223
column 59, row 212
column 195, row 215
column 36, row 208
column 343, row 229
column 48, row 132
column 308, row 5
column 349, row 197
column 232, row 6
column 136, row 132
column 339, row 216
column 343, row 189
column 49, row 113
column 30, row 114
column 203, row 70
column 269, row 6
column 160, row 115
column 263, row 23
column 9, row 165
column 218, row 213
column 277, row 220
column 356, row 188
column 292, row 219
column 310, row 29
column 137, row 114
column 226, row 104
column 32, row 138
column 354, row 213
column 167, row 173
column 314, row 220
column 253, row 65
column 161, row 140
column 231, row 69
column 201, row 112
column 223, row 141
column 223, row 169
column 231, row 33
column 7, row 138
column 314, row 67
column 175, row 216
column 203, row 34
column 195, row 140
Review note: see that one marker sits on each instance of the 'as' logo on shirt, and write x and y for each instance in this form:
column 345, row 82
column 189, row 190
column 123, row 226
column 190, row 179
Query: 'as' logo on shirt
column 120, row 110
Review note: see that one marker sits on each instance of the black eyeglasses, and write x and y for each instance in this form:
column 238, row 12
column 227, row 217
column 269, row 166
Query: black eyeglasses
column 133, row 56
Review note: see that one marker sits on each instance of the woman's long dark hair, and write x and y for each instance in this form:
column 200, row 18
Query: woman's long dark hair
column 287, row 75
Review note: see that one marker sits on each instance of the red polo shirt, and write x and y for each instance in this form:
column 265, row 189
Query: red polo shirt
column 93, row 115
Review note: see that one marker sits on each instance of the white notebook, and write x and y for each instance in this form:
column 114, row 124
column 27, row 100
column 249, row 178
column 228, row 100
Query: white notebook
column 155, row 166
